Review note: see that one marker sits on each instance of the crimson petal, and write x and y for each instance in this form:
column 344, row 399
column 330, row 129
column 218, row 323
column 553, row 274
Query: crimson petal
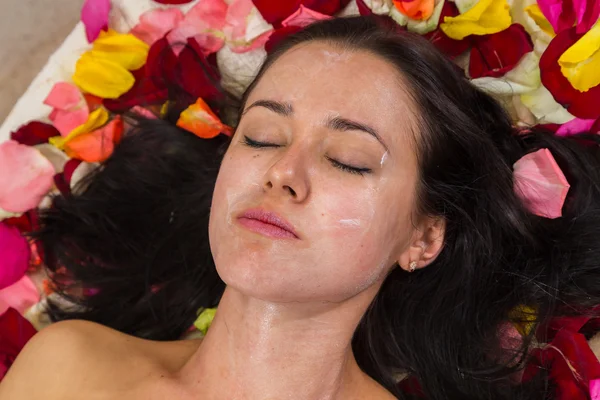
column 450, row 47
column 34, row 133
column 581, row 104
column 494, row 55
column 15, row 332
column 274, row 12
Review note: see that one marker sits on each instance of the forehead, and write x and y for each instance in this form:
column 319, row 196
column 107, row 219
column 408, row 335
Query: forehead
column 320, row 79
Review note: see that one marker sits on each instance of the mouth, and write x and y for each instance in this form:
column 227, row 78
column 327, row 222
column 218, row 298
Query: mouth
column 267, row 223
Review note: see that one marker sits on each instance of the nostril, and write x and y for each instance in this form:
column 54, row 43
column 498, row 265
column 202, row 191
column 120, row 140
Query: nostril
column 269, row 185
column 292, row 192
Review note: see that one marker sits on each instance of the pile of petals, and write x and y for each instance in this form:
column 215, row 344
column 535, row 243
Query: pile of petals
column 538, row 57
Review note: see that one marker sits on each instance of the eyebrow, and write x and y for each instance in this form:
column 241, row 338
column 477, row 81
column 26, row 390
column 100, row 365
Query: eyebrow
column 335, row 123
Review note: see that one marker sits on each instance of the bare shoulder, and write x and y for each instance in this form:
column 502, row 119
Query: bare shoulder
column 69, row 358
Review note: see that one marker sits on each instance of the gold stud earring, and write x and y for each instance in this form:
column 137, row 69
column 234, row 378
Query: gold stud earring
column 412, row 266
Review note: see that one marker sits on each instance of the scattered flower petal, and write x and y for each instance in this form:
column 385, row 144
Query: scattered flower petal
column 70, row 107
column 303, row 17
column 274, row 12
column 21, row 296
column 451, row 47
column 94, row 15
column 126, row 50
column 15, row 332
column 205, row 319
column 574, row 126
column 156, row 23
column 581, row 62
column 170, row 2
column 14, row 255
column 98, row 145
column 415, row 9
column 538, row 17
column 82, row 170
column 97, row 119
column 559, row 13
column 201, row 121
column 34, row 132
column 541, row 184
column 25, row 177
column 486, row 17
column 430, row 24
column 143, row 112
column 494, row 55
column 101, row 77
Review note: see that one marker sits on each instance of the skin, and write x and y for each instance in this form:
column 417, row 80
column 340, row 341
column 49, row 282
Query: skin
column 285, row 323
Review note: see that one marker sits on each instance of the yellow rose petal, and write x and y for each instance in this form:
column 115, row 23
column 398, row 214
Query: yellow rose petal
column 123, row 49
column 102, row 77
column 524, row 319
column 97, row 119
column 205, row 319
column 486, row 17
column 580, row 64
column 536, row 15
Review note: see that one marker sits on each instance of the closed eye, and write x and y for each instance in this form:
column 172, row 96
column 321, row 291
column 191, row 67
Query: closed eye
column 341, row 166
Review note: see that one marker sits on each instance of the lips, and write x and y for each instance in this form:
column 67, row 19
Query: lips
column 267, row 223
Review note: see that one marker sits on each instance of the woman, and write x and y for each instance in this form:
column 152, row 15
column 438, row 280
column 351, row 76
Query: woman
column 365, row 225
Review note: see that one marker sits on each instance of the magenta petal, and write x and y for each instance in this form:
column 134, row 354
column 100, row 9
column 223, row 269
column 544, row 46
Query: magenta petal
column 540, row 183
column 304, row 16
column 576, row 125
column 587, row 13
column 559, row 13
column 94, row 15
column 595, row 389
column 14, row 255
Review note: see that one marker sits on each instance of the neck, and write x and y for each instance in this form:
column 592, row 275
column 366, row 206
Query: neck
column 256, row 349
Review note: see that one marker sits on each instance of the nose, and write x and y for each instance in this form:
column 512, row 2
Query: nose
column 288, row 177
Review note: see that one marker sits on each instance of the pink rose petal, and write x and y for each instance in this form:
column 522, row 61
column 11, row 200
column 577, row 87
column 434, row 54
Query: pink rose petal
column 576, row 125
column 14, row 255
column 70, row 107
column 143, row 112
column 540, row 183
column 587, row 13
column 595, row 389
column 94, row 15
column 154, row 24
column 66, row 121
column 304, row 16
column 64, row 96
column 25, row 177
column 21, row 296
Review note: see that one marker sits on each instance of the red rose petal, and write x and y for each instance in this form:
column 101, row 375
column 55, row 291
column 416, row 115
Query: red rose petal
column 69, row 168
column 34, row 133
column 494, row 55
column 274, row 12
column 196, row 74
column 15, row 332
column 173, row 1
column 450, row 47
column 581, row 104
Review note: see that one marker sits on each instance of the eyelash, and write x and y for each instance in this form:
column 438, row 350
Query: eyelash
column 343, row 167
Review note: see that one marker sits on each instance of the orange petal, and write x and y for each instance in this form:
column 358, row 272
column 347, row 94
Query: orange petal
column 415, row 9
column 96, row 146
column 201, row 121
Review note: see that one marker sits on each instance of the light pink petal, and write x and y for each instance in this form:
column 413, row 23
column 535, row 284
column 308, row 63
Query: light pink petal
column 253, row 45
column 540, row 183
column 94, row 16
column 211, row 12
column 574, row 126
column 20, row 296
column 154, row 24
column 25, row 177
column 143, row 112
column 209, row 43
column 303, row 17
column 14, row 255
column 64, row 96
column 236, row 19
column 595, row 389
column 66, row 121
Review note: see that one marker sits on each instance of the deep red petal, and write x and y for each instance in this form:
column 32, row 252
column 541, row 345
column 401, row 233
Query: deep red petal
column 580, row 104
column 69, row 168
column 196, row 75
column 34, row 133
column 15, row 332
column 274, row 12
column 61, row 184
column 494, row 55
column 450, row 47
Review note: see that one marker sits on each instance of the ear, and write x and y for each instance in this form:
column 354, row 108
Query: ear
column 426, row 243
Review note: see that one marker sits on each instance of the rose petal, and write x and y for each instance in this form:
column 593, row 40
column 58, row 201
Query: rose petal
column 559, row 13
column 33, row 133
column 540, row 183
column 94, row 15
column 82, row 170
column 21, row 296
column 14, row 255
column 535, row 13
column 431, row 23
column 451, row 47
column 304, row 16
column 125, row 50
column 101, row 77
column 143, row 112
column 96, row 119
column 15, row 332
column 25, row 177
column 64, row 96
column 154, row 24
column 587, row 13
column 196, row 74
column 486, row 17
column 415, row 9
column 70, row 168
column 595, row 389
column 274, row 12
column 581, row 104
column 201, row 121
column 173, row 1
column 575, row 126
column 494, row 55
column 98, row 145
column 581, row 62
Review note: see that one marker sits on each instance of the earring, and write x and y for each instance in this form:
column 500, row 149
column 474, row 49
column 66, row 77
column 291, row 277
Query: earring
column 412, row 266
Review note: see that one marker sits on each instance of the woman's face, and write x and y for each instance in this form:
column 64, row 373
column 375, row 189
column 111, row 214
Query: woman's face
column 325, row 143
